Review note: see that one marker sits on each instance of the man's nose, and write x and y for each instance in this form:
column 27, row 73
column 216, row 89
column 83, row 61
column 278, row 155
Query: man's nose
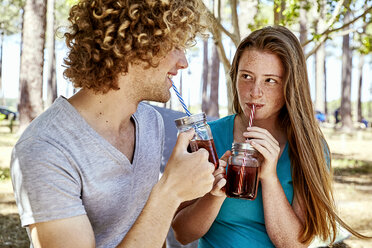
column 182, row 61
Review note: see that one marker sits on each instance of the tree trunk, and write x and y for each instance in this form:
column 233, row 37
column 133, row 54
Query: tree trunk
column 32, row 61
column 303, row 21
column 325, row 86
column 279, row 6
column 213, row 109
column 360, row 69
column 320, row 59
column 319, row 79
column 346, row 119
column 50, row 43
column 1, row 65
column 205, row 77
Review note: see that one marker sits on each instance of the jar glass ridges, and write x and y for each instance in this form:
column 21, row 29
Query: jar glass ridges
column 203, row 136
column 243, row 172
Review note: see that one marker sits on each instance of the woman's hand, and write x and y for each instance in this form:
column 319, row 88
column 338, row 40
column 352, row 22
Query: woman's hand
column 268, row 146
column 220, row 176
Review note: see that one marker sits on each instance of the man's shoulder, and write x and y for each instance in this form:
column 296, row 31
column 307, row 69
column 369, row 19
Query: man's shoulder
column 53, row 124
column 40, row 125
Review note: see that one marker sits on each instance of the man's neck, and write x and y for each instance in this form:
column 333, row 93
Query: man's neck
column 107, row 113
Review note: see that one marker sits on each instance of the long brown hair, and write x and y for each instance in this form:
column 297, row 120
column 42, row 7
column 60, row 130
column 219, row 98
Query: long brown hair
column 309, row 151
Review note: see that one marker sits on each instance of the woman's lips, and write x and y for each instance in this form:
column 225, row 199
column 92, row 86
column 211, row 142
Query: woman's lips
column 257, row 106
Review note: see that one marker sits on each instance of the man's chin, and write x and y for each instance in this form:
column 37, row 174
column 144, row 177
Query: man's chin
column 161, row 99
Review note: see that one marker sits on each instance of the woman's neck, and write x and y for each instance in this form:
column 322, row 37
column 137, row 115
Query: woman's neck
column 273, row 126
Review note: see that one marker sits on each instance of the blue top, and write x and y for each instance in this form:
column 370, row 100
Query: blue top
column 240, row 223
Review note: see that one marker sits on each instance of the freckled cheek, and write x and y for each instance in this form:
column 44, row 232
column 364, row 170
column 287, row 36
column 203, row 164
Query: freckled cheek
column 277, row 101
column 243, row 90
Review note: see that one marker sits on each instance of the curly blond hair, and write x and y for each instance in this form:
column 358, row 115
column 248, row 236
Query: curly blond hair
column 106, row 35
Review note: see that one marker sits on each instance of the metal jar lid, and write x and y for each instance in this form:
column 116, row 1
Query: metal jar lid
column 190, row 120
column 242, row 146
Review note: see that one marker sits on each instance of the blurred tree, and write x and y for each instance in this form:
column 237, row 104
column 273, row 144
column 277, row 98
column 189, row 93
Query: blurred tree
column 279, row 7
column 360, row 84
column 210, row 89
column 10, row 23
column 304, row 8
column 51, row 55
column 32, row 61
column 364, row 47
column 289, row 13
column 214, row 77
column 320, row 57
column 346, row 120
column 205, row 80
column 334, row 25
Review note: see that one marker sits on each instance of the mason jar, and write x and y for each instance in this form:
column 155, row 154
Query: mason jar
column 203, row 136
column 243, row 172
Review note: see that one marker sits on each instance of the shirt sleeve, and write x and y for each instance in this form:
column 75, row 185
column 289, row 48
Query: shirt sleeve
column 46, row 186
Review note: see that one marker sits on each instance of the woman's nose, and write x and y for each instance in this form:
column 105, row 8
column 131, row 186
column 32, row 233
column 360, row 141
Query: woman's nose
column 256, row 90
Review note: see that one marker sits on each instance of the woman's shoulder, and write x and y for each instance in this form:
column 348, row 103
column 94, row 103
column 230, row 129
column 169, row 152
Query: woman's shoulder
column 223, row 122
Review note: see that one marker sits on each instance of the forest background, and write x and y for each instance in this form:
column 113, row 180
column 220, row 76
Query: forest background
column 336, row 36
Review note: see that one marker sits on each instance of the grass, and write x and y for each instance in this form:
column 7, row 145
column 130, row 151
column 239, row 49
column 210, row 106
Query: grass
column 351, row 166
column 351, row 162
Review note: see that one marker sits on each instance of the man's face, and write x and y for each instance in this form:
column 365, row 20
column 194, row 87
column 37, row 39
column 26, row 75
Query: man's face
column 153, row 84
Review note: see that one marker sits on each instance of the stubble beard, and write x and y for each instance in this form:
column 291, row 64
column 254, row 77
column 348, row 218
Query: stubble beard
column 156, row 95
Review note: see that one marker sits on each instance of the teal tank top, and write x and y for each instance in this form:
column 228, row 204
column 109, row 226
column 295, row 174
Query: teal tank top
column 240, row 223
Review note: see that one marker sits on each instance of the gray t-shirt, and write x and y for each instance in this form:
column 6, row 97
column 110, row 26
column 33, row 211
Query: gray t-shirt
column 62, row 168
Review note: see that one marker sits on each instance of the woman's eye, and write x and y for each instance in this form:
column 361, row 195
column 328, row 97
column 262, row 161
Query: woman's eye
column 246, row 76
column 270, row 80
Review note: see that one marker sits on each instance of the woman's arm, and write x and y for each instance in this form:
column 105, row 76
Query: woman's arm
column 194, row 220
column 283, row 222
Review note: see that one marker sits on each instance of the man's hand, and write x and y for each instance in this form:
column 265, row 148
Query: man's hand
column 189, row 175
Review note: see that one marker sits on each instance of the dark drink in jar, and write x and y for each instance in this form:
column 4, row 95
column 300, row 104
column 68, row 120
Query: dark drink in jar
column 243, row 172
column 203, row 135
column 209, row 146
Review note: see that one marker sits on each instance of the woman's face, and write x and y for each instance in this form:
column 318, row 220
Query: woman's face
column 259, row 82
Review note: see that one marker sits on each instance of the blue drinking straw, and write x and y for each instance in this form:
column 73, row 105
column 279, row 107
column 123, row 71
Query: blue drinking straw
column 180, row 99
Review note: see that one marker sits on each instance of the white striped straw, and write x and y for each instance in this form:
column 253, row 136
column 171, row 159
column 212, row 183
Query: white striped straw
column 180, row 99
column 251, row 116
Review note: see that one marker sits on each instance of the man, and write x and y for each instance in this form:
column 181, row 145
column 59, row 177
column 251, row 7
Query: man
column 85, row 172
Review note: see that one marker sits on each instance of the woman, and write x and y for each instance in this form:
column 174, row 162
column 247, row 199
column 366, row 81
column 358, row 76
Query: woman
column 294, row 202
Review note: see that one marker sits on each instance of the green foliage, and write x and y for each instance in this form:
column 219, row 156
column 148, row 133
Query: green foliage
column 363, row 39
column 291, row 13
column 11, row 16
column 264, row 16
column 70, row 3
column 4, row 174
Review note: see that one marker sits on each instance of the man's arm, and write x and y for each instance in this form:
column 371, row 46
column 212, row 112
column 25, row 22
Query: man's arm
column 187, row 176
column 149, row 230
column 70, row 232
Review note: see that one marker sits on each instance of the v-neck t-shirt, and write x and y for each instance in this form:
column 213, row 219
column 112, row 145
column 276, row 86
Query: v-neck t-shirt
column 61, row 167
